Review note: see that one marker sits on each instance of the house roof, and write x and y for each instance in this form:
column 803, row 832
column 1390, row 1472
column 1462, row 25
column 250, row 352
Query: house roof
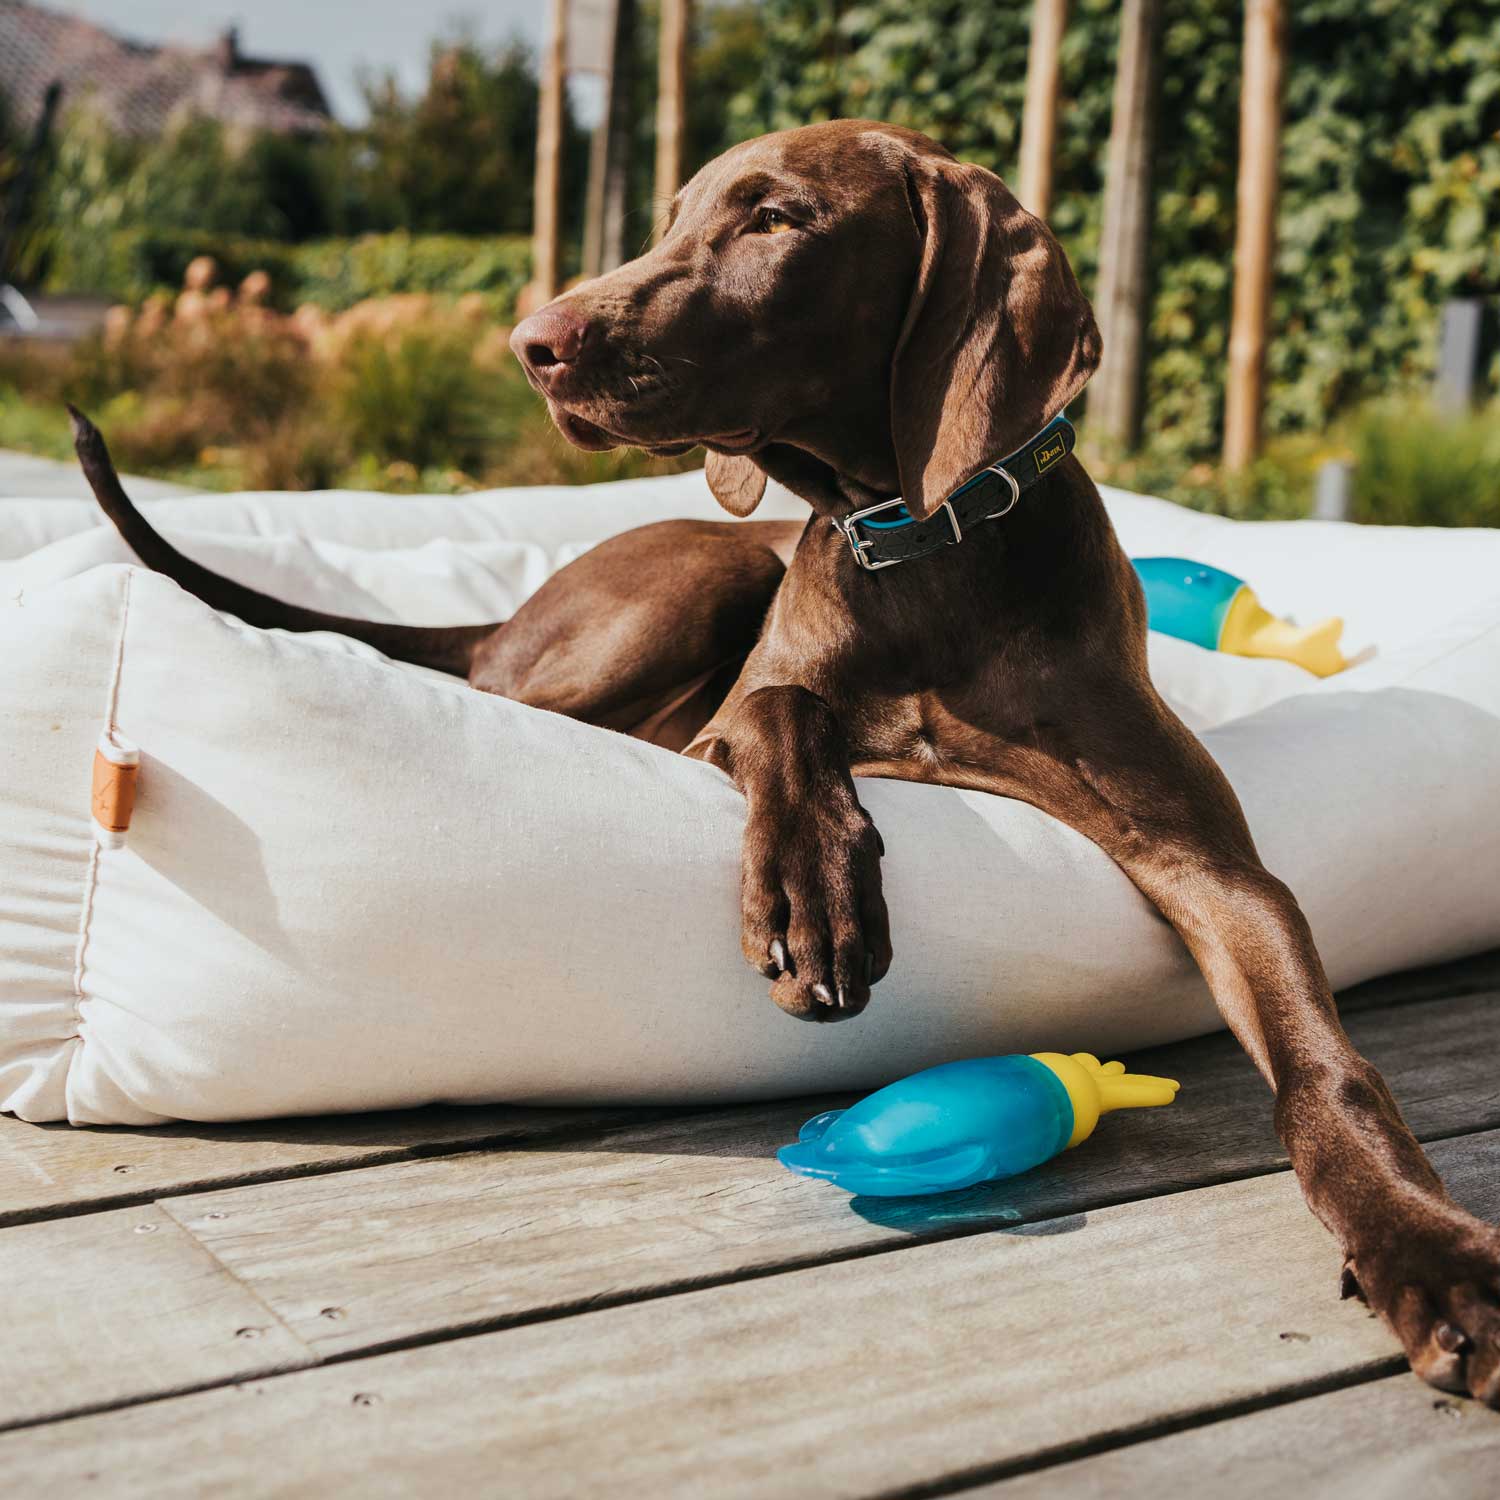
column 140, row 89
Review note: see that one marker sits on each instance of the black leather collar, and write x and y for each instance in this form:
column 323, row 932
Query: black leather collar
column 886, row 534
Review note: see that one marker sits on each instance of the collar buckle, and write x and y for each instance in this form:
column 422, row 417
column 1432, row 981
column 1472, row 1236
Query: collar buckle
column 1052, row 444
column 859, row 545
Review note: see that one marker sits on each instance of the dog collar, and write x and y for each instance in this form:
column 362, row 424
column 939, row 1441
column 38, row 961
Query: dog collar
column 899, row 537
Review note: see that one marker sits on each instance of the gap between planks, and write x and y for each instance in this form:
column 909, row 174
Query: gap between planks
column 56, row 1171
column 672, row 1205
column 918, row 1373
column 422, row 1252
column 1392, row 1436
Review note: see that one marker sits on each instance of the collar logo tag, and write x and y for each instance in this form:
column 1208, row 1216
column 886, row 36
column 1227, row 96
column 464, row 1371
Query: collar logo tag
column 1048, row 454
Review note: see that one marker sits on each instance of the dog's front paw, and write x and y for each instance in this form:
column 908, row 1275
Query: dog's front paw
column 1438, row 1287
column 813, row 916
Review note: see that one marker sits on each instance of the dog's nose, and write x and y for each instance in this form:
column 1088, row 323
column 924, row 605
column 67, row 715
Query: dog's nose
column 549, row 339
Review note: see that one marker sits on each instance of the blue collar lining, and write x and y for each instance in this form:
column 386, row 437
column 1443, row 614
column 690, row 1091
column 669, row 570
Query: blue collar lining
column 905, row 518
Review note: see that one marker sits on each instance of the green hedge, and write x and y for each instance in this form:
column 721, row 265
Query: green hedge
column 1390, row 169
column 338, row 273
column 131, row 264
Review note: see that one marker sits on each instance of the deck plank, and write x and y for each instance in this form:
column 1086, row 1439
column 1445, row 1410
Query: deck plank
column 107, row 1307
column 944, row 1361
column 367, row 1259
column 362, row 1259
column 1391, row 1437
column 49, row 1169
column 1462, row 976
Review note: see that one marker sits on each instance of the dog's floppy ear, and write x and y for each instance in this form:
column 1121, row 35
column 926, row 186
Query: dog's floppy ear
column 997, row 340
column 737, row 483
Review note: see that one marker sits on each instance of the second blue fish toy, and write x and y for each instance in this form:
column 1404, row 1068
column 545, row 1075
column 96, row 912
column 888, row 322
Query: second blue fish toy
column 964, row 1122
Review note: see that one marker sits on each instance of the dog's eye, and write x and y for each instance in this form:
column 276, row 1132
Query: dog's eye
column 772, row 221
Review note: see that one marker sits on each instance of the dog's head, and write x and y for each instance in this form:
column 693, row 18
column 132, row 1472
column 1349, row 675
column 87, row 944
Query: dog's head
column 843, row 306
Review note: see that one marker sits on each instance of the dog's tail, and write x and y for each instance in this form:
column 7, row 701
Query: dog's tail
column 446, row 648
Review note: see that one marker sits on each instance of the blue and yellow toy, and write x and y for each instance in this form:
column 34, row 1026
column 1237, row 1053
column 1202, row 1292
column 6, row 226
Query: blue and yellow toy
column 1216, row 610
column 961, row 1123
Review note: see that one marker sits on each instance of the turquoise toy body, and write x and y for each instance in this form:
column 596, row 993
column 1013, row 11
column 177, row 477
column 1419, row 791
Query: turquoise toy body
column 961, row 1123
column 1216, row 610
column 1187, row 599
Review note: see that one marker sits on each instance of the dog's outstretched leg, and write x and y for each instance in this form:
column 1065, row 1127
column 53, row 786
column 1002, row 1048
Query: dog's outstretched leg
column 1149, row 794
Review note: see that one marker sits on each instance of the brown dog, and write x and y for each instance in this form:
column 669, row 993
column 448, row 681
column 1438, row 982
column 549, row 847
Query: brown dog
column 850, row 310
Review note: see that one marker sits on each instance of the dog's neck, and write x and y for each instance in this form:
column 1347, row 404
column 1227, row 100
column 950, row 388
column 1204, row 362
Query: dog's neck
column 1027, row 574
column 831, row 489
column 878, row 528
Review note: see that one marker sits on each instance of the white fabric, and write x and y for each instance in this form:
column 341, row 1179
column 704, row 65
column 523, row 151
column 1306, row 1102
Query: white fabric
column 352, row 885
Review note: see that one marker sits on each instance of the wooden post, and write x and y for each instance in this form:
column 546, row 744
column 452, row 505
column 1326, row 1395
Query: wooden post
column 1255, row 232
column 1123, row 301
column 610, row 153
column 1039, row 120
column 546, row 251
column 671, row 106
column 593, row 198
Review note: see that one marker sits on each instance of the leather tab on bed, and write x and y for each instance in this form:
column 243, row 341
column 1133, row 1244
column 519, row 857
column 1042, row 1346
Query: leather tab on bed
column 116, row 769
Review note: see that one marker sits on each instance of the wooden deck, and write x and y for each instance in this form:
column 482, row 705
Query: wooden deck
column 565, row 1303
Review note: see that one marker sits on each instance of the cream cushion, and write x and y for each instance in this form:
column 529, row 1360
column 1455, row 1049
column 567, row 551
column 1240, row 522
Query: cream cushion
column 351, row 884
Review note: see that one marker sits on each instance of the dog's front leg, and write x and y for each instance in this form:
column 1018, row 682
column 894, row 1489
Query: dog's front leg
column 1146, row 791
column 813, row 918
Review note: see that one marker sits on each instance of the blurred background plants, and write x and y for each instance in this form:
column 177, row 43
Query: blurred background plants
column 1390, row 204
column 1390, row 172
column 217, row 389
column 1414, row 471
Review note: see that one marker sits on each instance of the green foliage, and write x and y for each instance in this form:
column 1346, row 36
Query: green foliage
column 1415, row 469
column 415, row 396
column 195, row 178
column 338, row 273
column 460, row 158
column 1412, row 467
column 131, row 264
column 1278, row 486
column 729, row 58
column 1390, row 192
column 400, row 396
column 727, row 55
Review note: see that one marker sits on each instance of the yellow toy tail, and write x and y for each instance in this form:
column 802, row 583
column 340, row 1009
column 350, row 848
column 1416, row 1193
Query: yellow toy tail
column 1252, row 630
column 1095, row 1088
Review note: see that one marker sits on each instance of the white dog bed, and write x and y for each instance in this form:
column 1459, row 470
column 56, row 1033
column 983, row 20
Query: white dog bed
column 350, row 884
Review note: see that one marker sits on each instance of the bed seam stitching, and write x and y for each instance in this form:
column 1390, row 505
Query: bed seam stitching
column 91, row 881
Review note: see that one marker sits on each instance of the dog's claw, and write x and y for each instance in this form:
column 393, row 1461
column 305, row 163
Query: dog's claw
column 1451, row 1340
column 824, row 994
column 779, row 956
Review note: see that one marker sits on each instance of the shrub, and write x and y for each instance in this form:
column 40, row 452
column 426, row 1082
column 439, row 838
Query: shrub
column 336, row 274
column 129, row 265
column 402, row 393
column 1276, row 487
column 1413, row 468
column 415, row 395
